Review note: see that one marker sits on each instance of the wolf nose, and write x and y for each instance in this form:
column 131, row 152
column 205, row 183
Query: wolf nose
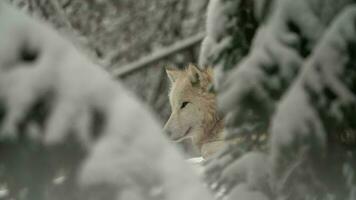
column 168, row 133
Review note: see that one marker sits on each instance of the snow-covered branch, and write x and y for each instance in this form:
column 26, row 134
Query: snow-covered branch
column 64, row 118
column 298, row 79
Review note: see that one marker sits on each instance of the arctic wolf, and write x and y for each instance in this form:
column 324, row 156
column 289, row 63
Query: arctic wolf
column 194, row 114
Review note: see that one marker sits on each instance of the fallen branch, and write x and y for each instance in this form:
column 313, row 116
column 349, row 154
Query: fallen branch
column 159, row 55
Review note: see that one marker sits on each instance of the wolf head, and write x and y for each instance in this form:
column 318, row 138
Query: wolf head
column 192, row 103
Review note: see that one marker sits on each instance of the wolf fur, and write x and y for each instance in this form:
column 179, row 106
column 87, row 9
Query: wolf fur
column 194, row 113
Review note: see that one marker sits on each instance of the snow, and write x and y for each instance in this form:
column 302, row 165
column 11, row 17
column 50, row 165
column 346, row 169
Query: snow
column 297, row 78
column 298, row 119
column 128, row 151
column 243, row 192
column 304, row 89
column 251, row 169
column 4, row 192
column 220, row 22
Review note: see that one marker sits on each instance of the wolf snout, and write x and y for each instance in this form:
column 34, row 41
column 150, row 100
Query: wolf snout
column 168, row 133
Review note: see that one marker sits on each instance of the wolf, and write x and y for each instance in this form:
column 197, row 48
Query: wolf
column 194, row 110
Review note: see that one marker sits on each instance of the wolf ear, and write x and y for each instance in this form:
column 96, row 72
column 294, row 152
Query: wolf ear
column 172, row 74
column 195, row 75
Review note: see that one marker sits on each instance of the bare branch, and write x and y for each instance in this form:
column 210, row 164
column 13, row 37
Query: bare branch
column 158, row 55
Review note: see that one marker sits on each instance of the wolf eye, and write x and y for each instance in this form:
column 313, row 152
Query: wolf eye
column 184, row 104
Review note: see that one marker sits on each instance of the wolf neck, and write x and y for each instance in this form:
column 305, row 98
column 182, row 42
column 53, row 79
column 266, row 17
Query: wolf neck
column 213, row 140
column 216, row 132
column 211, row 134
